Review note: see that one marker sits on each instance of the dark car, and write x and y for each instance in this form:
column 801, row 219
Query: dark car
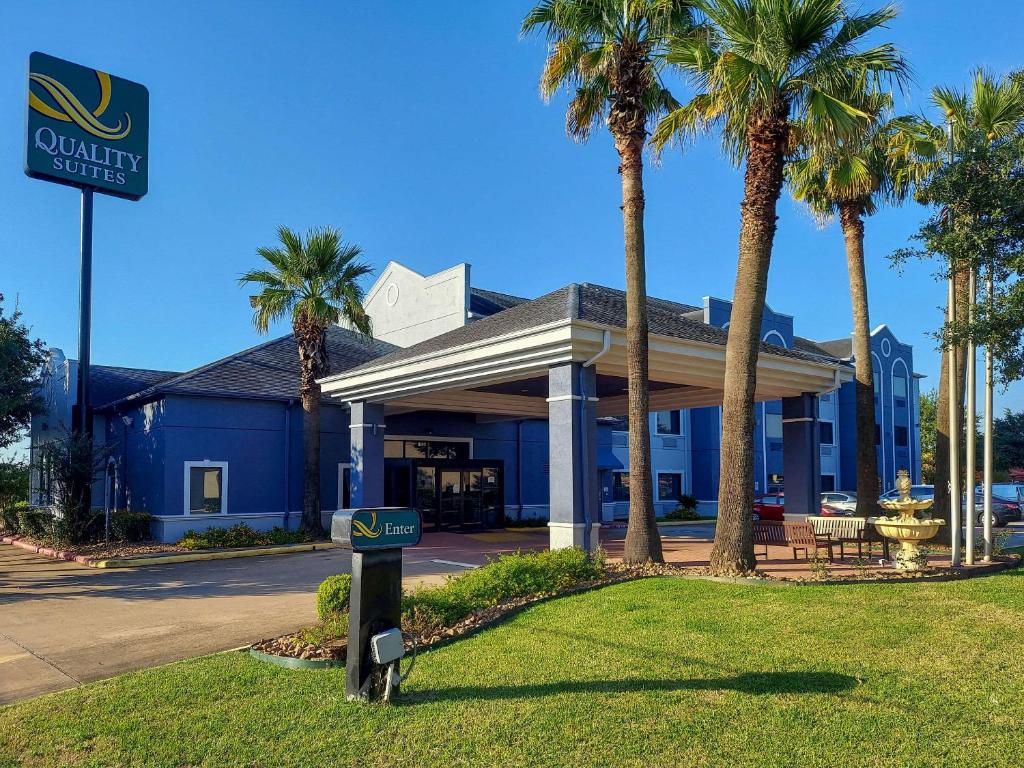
column 1003, row 510
column 771, row 506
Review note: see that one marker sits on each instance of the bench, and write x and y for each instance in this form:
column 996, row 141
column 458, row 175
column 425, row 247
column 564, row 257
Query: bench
column 797, row 536
column 850, row 531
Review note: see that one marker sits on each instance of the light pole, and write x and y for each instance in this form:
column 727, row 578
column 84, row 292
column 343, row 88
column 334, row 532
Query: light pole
column 972, row 422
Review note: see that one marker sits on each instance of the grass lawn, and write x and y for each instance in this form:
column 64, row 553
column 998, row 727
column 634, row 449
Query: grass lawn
column 660, row 672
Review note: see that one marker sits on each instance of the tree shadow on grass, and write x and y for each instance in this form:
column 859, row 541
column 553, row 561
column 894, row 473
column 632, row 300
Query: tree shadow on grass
column 757, row 683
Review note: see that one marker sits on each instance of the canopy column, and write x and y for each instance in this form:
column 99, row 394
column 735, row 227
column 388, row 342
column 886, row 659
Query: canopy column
column 575, row 500
column 366, row 425
column 801, row 454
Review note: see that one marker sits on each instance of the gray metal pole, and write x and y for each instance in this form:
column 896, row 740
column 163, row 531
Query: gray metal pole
column 83, row 424
column 987, row 490
column 972, row 425
column 954, row 414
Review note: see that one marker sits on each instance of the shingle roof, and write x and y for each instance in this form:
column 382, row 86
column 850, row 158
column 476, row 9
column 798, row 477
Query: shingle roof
column 269, row 371
column 490, row 302
column 579, row 301
column 108, row 383
column 812, row 347
column 839, row 348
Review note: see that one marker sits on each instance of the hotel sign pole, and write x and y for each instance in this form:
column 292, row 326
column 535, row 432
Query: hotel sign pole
column 90, row 130
column 83, row 425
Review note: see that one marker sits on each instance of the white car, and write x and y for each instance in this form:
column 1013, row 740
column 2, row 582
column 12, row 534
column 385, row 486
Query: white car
column 844, row 500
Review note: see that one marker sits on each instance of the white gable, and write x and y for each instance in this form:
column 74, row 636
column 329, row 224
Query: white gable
column 407, row 307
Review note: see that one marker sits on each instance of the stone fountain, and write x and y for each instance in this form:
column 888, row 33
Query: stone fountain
column 905, row 527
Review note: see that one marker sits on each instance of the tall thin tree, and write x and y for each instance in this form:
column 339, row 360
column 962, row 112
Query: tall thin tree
column 315, row 282
column 608, row 54
column 993, row 108
column 759, row 66
column 849, row 180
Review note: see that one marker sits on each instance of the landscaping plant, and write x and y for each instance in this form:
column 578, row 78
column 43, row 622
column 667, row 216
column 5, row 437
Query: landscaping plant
column 332, row 596
column 240, row 535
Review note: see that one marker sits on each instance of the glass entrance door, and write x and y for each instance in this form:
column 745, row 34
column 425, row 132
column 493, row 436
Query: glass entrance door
column 451, row 498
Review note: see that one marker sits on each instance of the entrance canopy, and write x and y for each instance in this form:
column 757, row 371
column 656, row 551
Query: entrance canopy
column 498, row 367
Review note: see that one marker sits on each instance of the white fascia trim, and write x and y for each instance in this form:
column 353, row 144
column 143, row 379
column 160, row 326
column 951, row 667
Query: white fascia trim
column 370, row 373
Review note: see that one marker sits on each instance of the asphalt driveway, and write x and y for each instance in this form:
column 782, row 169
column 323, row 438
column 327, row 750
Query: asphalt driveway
column 62, row 624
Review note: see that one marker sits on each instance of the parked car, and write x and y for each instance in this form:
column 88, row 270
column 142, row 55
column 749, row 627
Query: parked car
column 839, row 500
column 770, row 506
column 828, row 510
column 1007, row 491
column 917, row 493
column 1003, row 510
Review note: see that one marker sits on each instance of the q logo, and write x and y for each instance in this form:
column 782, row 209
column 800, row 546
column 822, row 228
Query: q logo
column 71, row 110
column 360, row 529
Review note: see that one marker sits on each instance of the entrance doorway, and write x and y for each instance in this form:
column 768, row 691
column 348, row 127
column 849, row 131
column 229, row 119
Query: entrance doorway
column 451, row 495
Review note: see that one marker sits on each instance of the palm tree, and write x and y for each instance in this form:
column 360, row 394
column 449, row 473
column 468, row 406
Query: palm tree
column 848, row 180
column 316, row 282
column 760, row 67
column 608, row 53
column 993, row 109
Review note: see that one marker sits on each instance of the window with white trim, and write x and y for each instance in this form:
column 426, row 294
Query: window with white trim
column 670, row 486
column 667, row 422
column 773, row 426
column 206, row 487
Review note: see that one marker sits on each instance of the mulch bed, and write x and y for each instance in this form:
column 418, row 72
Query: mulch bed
column 99, row 550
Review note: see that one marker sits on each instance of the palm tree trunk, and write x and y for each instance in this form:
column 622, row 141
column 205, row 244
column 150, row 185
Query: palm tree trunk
column 733, row 552
column 867, row 456
column 941, row 508
column 312, row 344
column 643, row 543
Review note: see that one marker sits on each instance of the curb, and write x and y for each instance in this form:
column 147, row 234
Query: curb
column 168, row 558
column 674, row 523
column 289, row 662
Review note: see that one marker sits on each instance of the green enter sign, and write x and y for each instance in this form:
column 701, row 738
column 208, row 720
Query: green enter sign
column 87, row 128
column 364, row 530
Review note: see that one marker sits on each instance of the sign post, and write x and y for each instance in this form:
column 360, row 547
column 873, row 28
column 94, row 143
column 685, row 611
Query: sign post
column 90, row 130
column 376, row 537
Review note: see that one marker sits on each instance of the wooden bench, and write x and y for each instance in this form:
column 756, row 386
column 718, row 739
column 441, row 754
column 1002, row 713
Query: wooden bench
column 797, row 536
column 850, row 531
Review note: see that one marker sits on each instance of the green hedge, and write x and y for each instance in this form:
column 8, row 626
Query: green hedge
column 332, row 596
column 510, row 576
column 240, row 535
column 34, row 522
column 10, row 516
column 130, row 526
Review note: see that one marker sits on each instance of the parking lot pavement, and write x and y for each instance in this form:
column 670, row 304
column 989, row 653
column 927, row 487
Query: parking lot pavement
column 62, row 624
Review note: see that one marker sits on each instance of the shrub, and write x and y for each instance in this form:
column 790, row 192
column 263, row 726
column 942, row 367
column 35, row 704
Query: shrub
column 126, row 525
column 686, row 510
column 10, row 516
column 332, row 596
column 240, row 535
column 34, row 522
column 510, row 576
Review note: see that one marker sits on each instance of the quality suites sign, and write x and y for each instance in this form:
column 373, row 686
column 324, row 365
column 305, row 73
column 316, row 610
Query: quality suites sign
column 381, row 528
column 87, row 128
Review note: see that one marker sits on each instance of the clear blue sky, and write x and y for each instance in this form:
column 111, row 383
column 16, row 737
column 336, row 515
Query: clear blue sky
column 416, row 128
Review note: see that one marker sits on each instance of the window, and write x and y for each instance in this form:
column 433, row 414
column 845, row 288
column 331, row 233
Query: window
column 826, row 433
column 620, row 486
column 670, row 486
column 344, row 486
column 828, row 483
column 899, row 386
column 773, row 425
column 206, row 487
column 426, row 449
column 878, row 434
column 900, row 436
column 667, row 422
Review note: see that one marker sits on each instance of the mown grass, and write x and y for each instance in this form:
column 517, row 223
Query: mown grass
column 660, row 672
